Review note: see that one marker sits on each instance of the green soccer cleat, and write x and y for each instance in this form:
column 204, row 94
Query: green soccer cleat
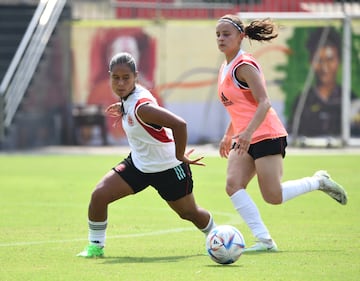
column 262, row 245
column 331, row 188
column 92, row 251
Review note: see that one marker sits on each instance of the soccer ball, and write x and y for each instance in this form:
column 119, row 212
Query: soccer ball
column 225, row 244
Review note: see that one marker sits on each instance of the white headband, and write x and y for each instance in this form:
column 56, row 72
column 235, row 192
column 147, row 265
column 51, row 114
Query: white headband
column 238, row 27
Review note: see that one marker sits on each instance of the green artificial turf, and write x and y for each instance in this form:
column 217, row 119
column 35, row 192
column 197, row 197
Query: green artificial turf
column 43, row 225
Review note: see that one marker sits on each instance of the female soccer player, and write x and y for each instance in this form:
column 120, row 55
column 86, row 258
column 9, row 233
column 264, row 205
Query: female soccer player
column 157, row 139
column 255, row 139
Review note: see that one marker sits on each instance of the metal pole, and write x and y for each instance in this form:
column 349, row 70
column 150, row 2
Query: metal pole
column 2, row 118
column 346, row 79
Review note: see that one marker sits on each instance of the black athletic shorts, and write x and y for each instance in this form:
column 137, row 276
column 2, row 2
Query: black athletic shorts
column 267, row 147
column 171, row 184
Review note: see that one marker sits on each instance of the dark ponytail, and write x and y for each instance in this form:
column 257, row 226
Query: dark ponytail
column 259, row 30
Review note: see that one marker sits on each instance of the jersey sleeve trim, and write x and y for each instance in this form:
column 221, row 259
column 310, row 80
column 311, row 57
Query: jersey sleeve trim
column 242, row 84
column 154, row 130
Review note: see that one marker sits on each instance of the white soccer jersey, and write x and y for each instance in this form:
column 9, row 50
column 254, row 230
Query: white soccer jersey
column 152, row 148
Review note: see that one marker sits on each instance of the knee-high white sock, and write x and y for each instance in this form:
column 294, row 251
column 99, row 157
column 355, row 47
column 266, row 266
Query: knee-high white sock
column 209, row 226
column 294, row 188
column 249, row 212
column 97, row 233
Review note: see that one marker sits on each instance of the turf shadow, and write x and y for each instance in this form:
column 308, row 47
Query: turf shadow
column 127, row 259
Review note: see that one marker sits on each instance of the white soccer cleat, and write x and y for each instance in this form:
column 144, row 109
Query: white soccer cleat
column 262, row 245
column 331, row 188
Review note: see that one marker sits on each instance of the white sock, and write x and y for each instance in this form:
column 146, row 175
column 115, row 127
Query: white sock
column 209, row 226
column 294, row 188
column 249, row 212
column 97, row 233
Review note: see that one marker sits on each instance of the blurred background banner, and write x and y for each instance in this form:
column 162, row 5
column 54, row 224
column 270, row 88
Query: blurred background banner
column 312, row 68
column 179, row 61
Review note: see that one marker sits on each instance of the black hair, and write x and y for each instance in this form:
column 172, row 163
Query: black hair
column 333, row 39
column 123, row 58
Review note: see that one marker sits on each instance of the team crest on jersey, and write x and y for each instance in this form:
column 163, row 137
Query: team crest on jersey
column 225, row 100
column 130, row 120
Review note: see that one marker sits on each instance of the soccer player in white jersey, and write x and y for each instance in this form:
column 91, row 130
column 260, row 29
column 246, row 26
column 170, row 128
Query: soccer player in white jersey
column 157, row 139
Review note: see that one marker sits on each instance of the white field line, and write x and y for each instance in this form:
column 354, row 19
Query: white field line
column 153, row 233
column 232, row 219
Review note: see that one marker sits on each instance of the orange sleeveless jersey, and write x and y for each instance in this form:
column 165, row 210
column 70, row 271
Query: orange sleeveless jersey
column 241, row 105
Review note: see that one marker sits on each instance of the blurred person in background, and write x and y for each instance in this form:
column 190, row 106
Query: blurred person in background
column 320, row 114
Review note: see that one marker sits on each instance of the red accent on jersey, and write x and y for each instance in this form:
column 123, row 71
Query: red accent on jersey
column 157, row 133
column 120, row 167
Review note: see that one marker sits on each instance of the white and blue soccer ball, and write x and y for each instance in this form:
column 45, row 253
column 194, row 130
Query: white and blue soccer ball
column 225, row 244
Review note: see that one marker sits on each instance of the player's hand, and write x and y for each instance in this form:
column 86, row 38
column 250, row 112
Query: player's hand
column 242, row 142
column 225, row 146
column 196, row 161
column 114, row 110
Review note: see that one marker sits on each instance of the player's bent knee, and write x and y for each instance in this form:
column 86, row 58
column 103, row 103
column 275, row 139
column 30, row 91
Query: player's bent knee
column 276, row 200
column 99, row 196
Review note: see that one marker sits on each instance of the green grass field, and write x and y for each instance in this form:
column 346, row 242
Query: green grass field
column 43, row 225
